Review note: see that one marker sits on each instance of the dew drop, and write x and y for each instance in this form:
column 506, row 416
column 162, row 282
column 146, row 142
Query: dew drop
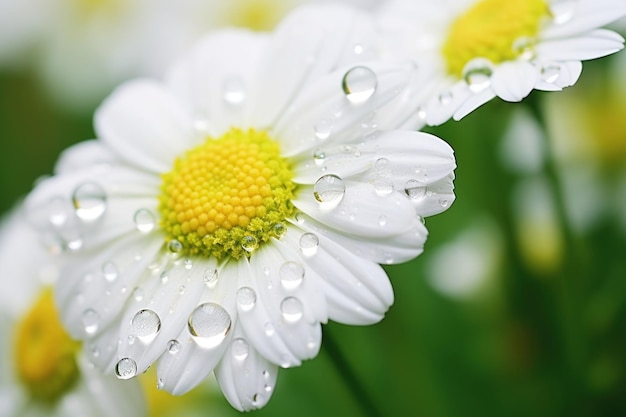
column 209, row 324
column 524, row 48
column 181, row 290
column 421, row 113
column 319, row 156
column 269, row 329
column 146, row 324
column 188, row 264
column 75, row 243
column 382, row 221
column 173, row 346
column 89, row 201
column 383, row 188
column 164, row 277
column 309, row 242
column 291, row 275
column 174, row 246
column 550, row 72
column 126, row 368
column 329, row 190
column 291, row 308
column 234, row 91
column 279, row 229
column 246, row 298
column 110, row 271
column 285, row 361
column 210, row 277
column 445, row 98
column 138, row 294
column 359, row 84
column 443, row 202
column 323, row 128
column 144, row 220
column 160, row 384
column 240, row 349
column 414, row 189
column 477, row 74
column 257, row 399
column 249, row 243
column 267, row 388
column 562, row 13
column 57, row 211
column 91, row 321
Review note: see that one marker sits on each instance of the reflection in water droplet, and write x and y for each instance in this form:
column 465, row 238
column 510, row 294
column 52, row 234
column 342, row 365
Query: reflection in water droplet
column 89, row 201
column 477, row 74
column 249, row 243
column 279, row 229
column 322, row 129
column 291, row 275
column 174, row 246
column 414, row 189
column 309, row 242
column 144, row 220
column 173, row 346
column 319, row 156
column 329, row 190
column 210, row 277
column 110, row 271
column 359, row 84
column 146, row 324
column 246, row 298
column 234, row 90
column 291, row 308
column 126, row 368
column 550, row 72
column 209, row 324
column 240, row 349
column 91, row 321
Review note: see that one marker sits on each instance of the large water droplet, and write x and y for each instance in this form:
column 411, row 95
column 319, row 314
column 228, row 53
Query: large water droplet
column 477, row 74
column 110, row 271
column 89, row 201
column 309, row 242
column 291, row 308
column 329, row 190
column 126, row 368
column 249, row 243
column 146, row 324
column 415, row 189
column 246, row 298
column 144, row 220
column 359, row 84
column 291, row 275
column 91, row 321
column 322, row 129
column 234, row 90
column 240, row 349
column 209, row 324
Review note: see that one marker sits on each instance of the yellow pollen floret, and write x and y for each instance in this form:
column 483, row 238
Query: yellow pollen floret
column 226, row 192
column 45, row 354
column 490, row 29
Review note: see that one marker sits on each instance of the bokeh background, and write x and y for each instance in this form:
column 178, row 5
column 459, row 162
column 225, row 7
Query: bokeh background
column 517, row 306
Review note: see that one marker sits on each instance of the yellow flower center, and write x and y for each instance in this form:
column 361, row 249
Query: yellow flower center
column 45, row 354
column 498, row 30
column 228, row 195
column 255, row 14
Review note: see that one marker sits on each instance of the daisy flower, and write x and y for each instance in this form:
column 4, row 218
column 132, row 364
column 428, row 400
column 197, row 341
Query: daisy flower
column 481, row 49
column 223, row 215
column 42, row 372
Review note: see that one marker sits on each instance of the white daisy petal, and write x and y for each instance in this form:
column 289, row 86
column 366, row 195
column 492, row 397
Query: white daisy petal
column 144, row 125
column 472, row 103
column 84, row 155
column 513, row 81
column 585, row 15
column 595, row 44
column 246, row 378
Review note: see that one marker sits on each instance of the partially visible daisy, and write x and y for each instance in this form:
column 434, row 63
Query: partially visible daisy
column 222, row 216
column 481, row 49
column 42, row 372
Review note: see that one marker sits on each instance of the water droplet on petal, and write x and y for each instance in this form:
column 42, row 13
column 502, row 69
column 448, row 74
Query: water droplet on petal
column 246, row 298
column 174, row 246
column 550, row 72
column 89, row 201
column 291, row 275
column 319, row 156
column 382, row 221
column 291, row 308
column 240, row 349
column 173, row 346
column 383, row 188
column 110, row 271
column 57, row 211
column 144, row 220
column 477, row 74
column 322, row 129
column 209, row 324
column 524, row 48
column 329, row 190
column 160, row 384
column 234, row 90
column 445, row 98
column 359, row 84
column 249, row 243
column 91, row 321
column 269, row 329
column 126, row 368
column 257, row 399
column 146, row 324
column 138, row 294
column 414, row 189
column 309, row 242
column 279, row 229
column 210, row 277
column 188, row 264
column 443, row 202
column 562, row 12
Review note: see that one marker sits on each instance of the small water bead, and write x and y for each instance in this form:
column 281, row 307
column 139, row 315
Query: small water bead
column 415, row 189
column 75, row 243
column 174, row 246
column 268, row 388
column 144, row 220
column 234, row 90
column 524, row 48
column 383, row 188
column 562, row 12
column 257, row 399
column 323, row 128
column 329, row 190
column 110, row 271
column 477, row 74
column 126, row 368
column 309, row 242
column 291, row 308
column 291, row 275
column 188, row 264
column 246, row 298
column 146, row 325
column 319, row 156
column 91, row 321
column 89, row 201
column 181, row 290
column 359, row 84
column 160, row 384
column 445, row 98
column 266, row 374
column 550, row 72
column 138, row 294
column 57, row 211
column 132, row 339
column 382, row 221
column 173, row 346
column 209, row 324
column 165, row 276
column 285, row 361
column 269, row 329
column 249, row 243
column 443, row 202
column 210, row 277
column 279, row 229
column 421, row 113
column 240, row 349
